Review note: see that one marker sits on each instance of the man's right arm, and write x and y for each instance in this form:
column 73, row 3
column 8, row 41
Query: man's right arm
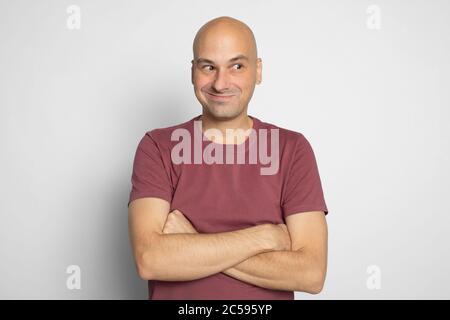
column 183, row 257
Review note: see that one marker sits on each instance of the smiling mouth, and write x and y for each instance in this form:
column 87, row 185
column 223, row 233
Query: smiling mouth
column 219, row 97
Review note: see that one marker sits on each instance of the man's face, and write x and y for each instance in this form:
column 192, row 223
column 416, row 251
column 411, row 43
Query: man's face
column 224, row 74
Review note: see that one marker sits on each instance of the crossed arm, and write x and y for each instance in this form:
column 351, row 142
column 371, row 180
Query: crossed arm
column 283, row 270
column 167, row 247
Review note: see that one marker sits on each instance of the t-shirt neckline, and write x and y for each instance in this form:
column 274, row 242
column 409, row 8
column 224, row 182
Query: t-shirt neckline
column 255, row 126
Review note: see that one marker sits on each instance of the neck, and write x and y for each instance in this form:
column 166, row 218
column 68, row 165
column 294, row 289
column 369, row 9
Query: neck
column 243, row 122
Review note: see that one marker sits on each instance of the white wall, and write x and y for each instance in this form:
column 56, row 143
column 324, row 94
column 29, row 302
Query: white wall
column 74, row 104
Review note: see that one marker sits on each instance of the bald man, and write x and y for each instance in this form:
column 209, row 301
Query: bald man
column 204, row 225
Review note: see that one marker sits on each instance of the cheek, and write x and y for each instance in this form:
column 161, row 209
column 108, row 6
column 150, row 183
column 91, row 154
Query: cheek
column 245, row 84
column 201, row 81
column 244, row 87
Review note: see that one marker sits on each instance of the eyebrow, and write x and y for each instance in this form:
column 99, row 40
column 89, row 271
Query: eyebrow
column 238, row 57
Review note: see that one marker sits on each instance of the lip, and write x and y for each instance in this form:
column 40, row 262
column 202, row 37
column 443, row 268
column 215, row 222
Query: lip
column 220, row 98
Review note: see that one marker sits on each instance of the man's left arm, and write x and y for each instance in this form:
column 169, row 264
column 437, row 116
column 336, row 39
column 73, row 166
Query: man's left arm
column 301, row 269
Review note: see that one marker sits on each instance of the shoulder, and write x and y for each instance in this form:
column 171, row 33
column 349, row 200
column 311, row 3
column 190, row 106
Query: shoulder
column 287, row 137
column 162, row 136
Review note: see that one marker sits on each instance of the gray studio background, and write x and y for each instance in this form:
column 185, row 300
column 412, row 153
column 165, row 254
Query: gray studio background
column 373, row 101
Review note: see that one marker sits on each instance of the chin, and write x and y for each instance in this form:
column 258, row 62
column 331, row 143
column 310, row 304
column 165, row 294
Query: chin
column 224, row 112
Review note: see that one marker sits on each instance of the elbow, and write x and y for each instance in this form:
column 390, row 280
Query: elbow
column 144, row 268
column 316, row 287
column 144, row 274
column 316, row 282
column 145, row 261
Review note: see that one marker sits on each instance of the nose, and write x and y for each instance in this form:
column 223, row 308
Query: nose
column 220, row 82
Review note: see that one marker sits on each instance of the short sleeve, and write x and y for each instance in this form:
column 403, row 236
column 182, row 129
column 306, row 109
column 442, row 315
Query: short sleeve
column 303, row 189
column 149, row 177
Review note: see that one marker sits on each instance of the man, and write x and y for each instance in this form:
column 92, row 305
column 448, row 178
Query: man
column 220, row 229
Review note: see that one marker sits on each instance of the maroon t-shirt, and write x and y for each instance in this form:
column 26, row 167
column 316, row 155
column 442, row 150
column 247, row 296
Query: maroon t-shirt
column 226, row 197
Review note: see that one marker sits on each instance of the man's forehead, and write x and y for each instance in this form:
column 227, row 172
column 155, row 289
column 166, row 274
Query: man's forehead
column 235, row 58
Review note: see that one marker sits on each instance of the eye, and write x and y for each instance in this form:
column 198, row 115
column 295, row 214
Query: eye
column 208, row 67
column 240, row 66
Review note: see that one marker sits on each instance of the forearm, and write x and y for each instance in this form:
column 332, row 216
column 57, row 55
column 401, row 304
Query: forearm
column 277, row 270
column 182, row 257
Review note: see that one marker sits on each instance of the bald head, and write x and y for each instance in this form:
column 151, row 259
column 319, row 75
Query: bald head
column 225, row 68
column 220, row 32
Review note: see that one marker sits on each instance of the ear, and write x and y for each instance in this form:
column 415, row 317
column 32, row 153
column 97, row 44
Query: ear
column 258, row 71
column 192, row 71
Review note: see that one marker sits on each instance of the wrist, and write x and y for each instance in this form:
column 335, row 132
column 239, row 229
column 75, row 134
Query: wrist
column 265, row 238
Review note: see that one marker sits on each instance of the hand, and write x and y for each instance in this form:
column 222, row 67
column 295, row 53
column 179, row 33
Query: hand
column 282, row 237
column 177, row 223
